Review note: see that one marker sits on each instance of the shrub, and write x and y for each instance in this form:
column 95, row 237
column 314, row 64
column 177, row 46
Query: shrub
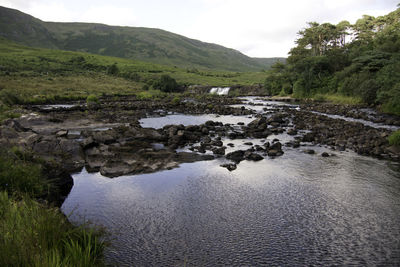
column 166, row 84
column 176, row 100
column 394, row 138
column 92, row 99
column 367, row 91
column 112, row 69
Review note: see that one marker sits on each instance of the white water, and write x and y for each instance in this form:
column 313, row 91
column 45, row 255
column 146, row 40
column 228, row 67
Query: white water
column 220, row 90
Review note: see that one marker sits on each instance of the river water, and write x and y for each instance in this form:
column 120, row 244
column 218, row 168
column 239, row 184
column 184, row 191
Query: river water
column 293, row 210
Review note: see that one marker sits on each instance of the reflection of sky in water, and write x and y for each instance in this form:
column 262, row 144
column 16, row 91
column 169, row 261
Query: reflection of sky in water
column 297, row 208
column 159, row 122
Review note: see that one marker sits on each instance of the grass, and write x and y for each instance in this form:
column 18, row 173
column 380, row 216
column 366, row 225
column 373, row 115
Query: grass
column 394, row 138
column 21, row 177
column 35, row 75
column 338, row 99
column 32, row 234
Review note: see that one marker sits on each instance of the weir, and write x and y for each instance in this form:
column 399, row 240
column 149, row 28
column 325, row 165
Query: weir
column 220, row 90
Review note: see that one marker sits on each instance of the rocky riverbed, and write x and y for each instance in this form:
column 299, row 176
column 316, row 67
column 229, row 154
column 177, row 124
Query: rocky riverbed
column 107, row 137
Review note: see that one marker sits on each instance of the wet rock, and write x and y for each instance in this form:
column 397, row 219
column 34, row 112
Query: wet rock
column 248, row 143
column 276, row 146
column 219, row 151
column 230, row 166
column 236, row 156
column 274, row 153
column 308, row 137
column 325, row 154
column 309, row 151
column 292, row 132
column 254, row 157
column 187, row 157
column 218, row 143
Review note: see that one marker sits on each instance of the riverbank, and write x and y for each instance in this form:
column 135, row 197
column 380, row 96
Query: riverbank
column 34, row 232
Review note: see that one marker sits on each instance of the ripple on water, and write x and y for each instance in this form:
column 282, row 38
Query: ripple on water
column 298, row 209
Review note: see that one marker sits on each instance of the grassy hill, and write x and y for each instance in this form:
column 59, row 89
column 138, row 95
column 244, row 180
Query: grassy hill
column 146, row 44
column 38, row 74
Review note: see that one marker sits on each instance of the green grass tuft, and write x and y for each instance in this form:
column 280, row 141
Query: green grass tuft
column 394, row 138
column 34, row 235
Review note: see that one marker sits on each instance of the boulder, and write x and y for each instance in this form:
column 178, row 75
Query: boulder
column 236, row 156
column 229, row 166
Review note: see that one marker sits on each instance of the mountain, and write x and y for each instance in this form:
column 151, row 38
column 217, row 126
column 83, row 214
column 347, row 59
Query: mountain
column 146, row 44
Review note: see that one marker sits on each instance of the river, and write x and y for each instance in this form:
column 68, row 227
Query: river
column 294, row 210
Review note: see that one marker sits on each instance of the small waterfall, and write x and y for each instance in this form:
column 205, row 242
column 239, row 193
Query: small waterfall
column 220, row 90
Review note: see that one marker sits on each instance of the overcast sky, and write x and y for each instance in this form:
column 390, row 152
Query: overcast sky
column 257, row 28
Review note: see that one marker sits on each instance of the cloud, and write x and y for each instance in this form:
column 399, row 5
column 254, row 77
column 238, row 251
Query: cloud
column 110, row 15
column 260, row 28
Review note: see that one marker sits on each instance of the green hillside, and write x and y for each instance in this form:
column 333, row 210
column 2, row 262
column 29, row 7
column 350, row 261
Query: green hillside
column 151, row 45
column 38, row 74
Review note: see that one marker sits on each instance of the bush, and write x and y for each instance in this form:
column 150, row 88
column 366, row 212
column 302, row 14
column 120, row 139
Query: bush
column 92, row 99
column 367, row 91
column 112, row 69
column 176, row 100
column 394, row 138
column 166, row 84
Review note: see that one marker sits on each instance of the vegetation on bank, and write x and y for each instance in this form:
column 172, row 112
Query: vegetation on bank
column 394, row 138
column 360, row 60
column 34, row 234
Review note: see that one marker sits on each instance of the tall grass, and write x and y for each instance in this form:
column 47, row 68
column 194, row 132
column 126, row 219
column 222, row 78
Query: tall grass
column 34, row 235
column 18, row 176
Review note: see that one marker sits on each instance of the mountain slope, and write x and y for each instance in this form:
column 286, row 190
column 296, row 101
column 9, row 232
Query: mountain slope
column 152, row 45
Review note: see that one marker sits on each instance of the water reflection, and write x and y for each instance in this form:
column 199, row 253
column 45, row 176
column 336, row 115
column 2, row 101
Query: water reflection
column 298, row 209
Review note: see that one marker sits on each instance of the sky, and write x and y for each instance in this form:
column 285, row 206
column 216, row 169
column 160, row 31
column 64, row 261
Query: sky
column 257, row 28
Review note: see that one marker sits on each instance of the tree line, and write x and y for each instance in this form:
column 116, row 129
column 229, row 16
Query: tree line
column 360, row 60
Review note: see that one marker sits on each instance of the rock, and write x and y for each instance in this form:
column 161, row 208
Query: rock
column 88, row 143
column 308, row 137
column 254, row 157
column 188, row 157
column 248, row 143
column 257, row 122
column 276, row 146
column 274, row 153
column 114, row 168
column 217, row 143
column 325, row 154
column 62, row 133
column 292, row 132
column 236, row 156
column 309, row 151
column 11, row 123
column 230, row 145
column 219, row 151
column 230, row 166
